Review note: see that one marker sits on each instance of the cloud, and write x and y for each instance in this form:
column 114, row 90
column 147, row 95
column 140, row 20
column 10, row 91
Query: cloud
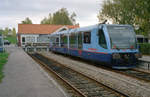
column 14, row 11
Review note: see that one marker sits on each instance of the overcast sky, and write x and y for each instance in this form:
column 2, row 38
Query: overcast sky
column 13, row 12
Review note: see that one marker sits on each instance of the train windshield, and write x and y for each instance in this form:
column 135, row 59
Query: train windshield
column 122, row 37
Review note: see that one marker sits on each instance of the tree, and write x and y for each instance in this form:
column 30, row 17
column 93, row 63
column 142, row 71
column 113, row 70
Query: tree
column 60, row 17
column 135, row 12
column 1, row 31
column 14, row 32
column 27, row 21
column 47, row 20
column 72, row 17
column 5, row 32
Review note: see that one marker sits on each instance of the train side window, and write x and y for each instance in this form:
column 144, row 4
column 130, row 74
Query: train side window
column 87, row 37
column 57, row 39
column 73, row 40
column 102, row 39
column 64, row 40
column 56, row 43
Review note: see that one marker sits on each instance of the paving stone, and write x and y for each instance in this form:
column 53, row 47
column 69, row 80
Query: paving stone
column 24, row 78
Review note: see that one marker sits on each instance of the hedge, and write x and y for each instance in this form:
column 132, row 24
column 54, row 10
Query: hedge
column 144, row 48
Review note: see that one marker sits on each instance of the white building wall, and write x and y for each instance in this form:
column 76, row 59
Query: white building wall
column 29, row 38
column 34, row 38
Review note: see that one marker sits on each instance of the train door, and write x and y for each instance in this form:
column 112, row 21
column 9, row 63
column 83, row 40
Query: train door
column 102, row 39
column 80, row 40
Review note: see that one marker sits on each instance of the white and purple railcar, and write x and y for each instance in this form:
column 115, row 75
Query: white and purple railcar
column 114, row 45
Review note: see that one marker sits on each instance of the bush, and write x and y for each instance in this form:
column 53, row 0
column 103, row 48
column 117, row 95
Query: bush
column 145, row 48
column 11, row 39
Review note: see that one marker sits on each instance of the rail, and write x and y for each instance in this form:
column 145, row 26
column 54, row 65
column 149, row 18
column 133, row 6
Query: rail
column 85, row 86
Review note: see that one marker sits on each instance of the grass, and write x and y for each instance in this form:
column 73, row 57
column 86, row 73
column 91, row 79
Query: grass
column 12, row 39
column 3, row 60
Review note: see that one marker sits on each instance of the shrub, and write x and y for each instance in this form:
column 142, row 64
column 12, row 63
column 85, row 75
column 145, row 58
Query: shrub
column 144, row 48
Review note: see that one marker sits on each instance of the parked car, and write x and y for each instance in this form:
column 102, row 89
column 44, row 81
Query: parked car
column 6, row 42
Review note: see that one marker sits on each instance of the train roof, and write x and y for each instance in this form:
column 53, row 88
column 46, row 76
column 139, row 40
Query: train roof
column 87, row 28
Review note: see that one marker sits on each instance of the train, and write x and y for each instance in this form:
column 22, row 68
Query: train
column 112, row 45
column 1, row 43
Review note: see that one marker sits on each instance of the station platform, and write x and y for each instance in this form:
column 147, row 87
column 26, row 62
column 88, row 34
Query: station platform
column 145, row 64
column 25, row 78
column 145, row 58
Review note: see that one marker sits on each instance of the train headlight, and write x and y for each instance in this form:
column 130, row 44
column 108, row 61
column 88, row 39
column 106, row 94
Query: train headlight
column 116, row 56
column 138, row 55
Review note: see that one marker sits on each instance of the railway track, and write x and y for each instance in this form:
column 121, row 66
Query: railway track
column 81, row 84
column 133, row 73
column 140, row 75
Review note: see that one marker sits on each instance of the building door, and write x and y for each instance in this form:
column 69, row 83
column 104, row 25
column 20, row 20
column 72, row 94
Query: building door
column 23, row 40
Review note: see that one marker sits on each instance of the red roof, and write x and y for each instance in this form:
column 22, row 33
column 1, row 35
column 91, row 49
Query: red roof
column 41, row 28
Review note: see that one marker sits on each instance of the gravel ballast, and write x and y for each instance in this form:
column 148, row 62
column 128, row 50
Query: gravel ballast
column 127, row 85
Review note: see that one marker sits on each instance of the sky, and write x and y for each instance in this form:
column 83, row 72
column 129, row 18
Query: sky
column 13, row 12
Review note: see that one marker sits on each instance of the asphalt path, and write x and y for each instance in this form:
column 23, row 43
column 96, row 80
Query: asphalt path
column 25, row 78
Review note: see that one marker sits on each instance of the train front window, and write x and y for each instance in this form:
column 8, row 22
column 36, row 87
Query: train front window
column 122, row 37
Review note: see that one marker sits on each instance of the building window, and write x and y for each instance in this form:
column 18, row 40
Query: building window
column 23, row 39
column 87, row 37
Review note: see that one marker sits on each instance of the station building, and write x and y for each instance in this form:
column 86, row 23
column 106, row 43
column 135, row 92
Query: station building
column 38, row 33
column 143, row 39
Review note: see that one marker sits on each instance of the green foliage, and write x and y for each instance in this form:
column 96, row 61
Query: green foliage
column 12, row 39
column 135, row 12
column 14, row 32
column 3, row 60
column 8, row 30
column 60, row 17
column 47, row 20
column 145, row 48
column 27, row 21
column 5, row 32
column 1, row 31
